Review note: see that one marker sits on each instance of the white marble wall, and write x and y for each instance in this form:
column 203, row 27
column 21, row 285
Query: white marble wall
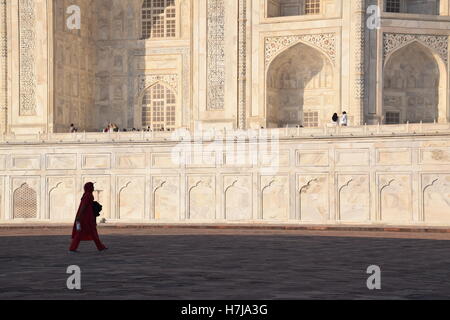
column 127, row 64
column 225, row 45
column 74, row 61
column 400, row 179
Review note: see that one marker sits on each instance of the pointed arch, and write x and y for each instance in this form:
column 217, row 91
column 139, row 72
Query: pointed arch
column 25, row 202
column 155, row 82
column 433, row 51
column 295, row 43
column 300, row 89
column 157, row 107
column 408, row 70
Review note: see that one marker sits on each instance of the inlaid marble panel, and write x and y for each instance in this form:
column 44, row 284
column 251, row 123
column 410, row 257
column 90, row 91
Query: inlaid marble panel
column 166, row 198
column 63, row 204
column 354, row 198
column 238, row 198
column 275, row 198
column 201, row 198
column 313, row 198
column 395, row 197
column 131, row 198
column 436, row 198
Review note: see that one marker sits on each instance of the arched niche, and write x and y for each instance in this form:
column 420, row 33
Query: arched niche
column 414, row 86
column 25, row 202
column 300, row 88
column 147, row 98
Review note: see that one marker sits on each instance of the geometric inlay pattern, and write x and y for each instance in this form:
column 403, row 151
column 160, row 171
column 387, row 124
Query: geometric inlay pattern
column 392, row 41
column 25, row 203
column 324, row 41
column 216, row 55
column 146, row 81
column 27, row 43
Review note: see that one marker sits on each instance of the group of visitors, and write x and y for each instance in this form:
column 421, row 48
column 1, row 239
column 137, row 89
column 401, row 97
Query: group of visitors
column 342, row 120
column 112, row 127
column 115, row 128
column 147, row 129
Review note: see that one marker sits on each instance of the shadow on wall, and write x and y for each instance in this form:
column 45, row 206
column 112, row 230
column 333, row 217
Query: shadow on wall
column 411, row 86
column 285, row 8
column 120, row 60
column 100, row 69
column 74, row 74
column 300, row 88
column 413, row 6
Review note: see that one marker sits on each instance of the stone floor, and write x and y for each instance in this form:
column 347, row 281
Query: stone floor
column 225, row 264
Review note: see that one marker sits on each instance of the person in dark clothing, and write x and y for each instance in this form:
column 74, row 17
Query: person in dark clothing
column 73, row 129
column 335, row 119
column 85, row 227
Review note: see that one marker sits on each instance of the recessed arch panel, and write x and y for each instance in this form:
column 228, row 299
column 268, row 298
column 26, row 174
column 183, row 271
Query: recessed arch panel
column 414, row 86
column 300, row 88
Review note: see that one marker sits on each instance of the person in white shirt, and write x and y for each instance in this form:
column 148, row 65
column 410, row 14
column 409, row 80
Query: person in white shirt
column 344, row 119
column 73, row 129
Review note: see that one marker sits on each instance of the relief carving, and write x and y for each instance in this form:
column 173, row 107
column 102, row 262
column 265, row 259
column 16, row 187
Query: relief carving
column 326, row 42
column 27, row 43
column 216, row 55
column 392, row 41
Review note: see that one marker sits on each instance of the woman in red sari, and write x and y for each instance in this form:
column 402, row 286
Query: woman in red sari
column 85, row 227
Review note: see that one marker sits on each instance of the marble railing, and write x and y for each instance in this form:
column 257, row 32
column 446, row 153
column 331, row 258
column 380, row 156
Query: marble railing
column 371, row 175
column 327, row 131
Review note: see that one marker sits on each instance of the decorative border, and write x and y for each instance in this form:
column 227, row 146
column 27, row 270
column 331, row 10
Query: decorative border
column 392, row 41
column 3, row 65
column 216, row 55
column 148, row 80
column 325, row 41
column 358, row 54
column 27, row 43
column 242, row 83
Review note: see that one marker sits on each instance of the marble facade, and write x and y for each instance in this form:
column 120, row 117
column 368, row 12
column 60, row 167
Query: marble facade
column 227, row 65
column 387, row 175
column 246, row 64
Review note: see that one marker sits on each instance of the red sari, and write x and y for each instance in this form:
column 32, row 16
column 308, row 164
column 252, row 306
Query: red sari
column 85, row 216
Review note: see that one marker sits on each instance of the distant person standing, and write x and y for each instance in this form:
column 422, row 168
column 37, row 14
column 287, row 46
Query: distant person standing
column 85, row 227
column 108, row 128
column 73, row 129
column 335, row 119
column 344, row 119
